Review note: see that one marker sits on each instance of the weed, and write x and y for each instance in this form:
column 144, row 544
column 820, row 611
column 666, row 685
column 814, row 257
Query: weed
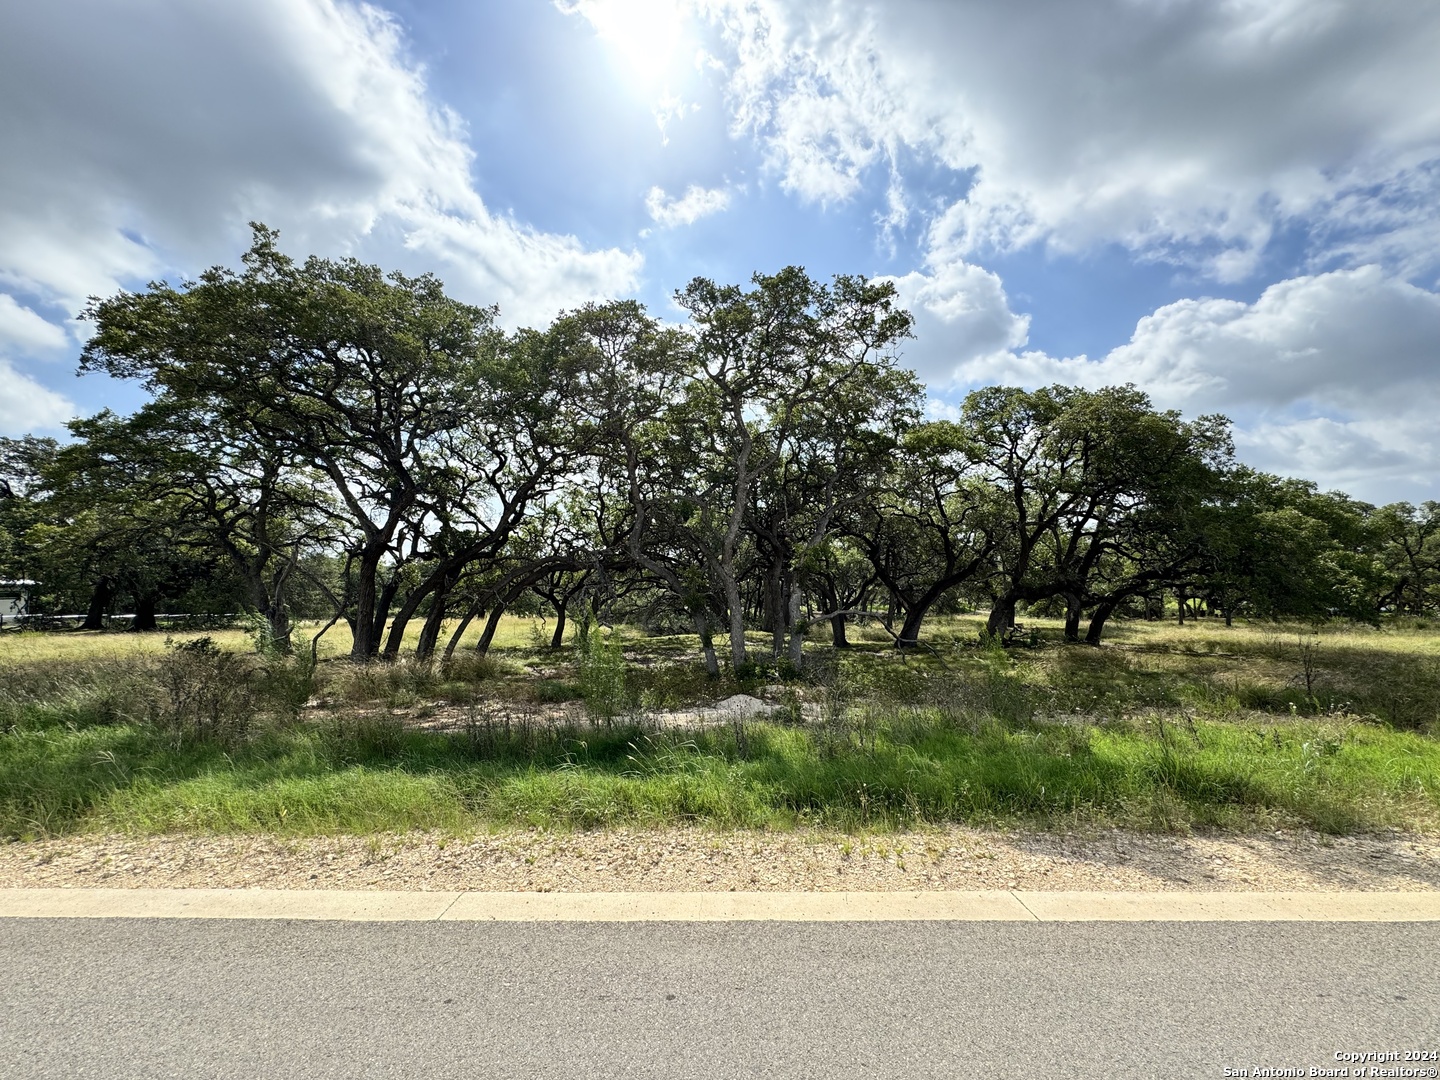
column 1163, row 730
column 554, row 691
column 1309, row 649
column 208, row 690
column 602, row 674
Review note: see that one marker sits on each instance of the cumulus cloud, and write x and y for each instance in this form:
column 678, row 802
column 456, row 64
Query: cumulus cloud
column 140, row 139
column 1342, row 341
column 696, row 203
column 1187, row 130
column 26, row 406
column 1330, row 376
column 1380, row 460
column 962, row 317
column 21, row 328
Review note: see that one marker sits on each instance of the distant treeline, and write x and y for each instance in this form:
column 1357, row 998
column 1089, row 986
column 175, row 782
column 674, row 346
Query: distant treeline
column 326, row 440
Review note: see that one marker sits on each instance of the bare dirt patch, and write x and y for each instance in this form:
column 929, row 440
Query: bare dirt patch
column 504, row 714
column 698, row 860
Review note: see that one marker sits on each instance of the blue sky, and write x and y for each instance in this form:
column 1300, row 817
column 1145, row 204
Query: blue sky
column 1231, row 203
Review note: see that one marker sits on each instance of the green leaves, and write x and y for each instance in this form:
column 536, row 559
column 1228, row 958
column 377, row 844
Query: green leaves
column 327, row 423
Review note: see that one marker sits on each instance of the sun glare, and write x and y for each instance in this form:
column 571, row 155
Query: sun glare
column 647, row 35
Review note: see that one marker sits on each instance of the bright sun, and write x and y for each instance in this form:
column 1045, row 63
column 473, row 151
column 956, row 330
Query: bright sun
column 647, row 34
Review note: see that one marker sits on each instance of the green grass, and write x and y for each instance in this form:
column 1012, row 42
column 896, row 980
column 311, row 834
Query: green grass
column 515, row 631
column 1164, row 729
column 907, row 768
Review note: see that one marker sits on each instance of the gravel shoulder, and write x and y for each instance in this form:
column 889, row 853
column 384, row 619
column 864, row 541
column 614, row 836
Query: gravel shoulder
column 691, row 860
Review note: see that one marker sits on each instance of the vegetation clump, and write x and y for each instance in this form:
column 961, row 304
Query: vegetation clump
column 1166, row 729
column 513, row 576
column 327, row 443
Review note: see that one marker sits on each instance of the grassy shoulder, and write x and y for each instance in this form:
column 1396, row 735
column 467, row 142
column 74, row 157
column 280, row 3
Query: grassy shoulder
column 1162, row 730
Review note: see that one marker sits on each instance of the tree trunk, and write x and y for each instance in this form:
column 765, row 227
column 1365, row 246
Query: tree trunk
column 707, row 645
column 770, row 600
column 1072, row 617
column 797, row 626
column 837, row 632
column 737, row 623
column 100, row 598
column 401, row 622
column 475, row 609
column 491, row 625
column 909, row 637
column 430, row 632
column 778, row 613
column 269, row 601
column 1002, row 615
column 557, row 639
column 277, row 624
column 438, row 583
column 144, row 613
column 915, row 612
column 382, row 615
column 1097, row 621
column 362, row 623
column 1180, row 608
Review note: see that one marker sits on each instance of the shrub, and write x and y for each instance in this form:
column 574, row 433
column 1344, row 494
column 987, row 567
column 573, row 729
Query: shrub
column 602, row 674
column 207, row 691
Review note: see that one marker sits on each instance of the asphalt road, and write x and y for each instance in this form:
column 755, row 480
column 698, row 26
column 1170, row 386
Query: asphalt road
column 209, row 998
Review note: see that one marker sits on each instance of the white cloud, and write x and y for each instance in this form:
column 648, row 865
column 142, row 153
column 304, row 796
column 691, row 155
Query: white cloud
column 1340, row 342
column 23, row 329
column 1185, row 129
column 1330, row 376
column 140, row 138
column 696, row 203
column 962, row 316
column 649, row 35
column 1380, row 461
column 26, row 406
column 1396, row 225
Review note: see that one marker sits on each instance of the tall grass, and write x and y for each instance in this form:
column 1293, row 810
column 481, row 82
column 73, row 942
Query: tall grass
column 601, row 667
column 1165, row 729
column 875, row 769
column 515, row 631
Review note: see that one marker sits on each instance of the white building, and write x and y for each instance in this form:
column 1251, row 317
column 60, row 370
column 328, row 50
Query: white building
column 15, row 599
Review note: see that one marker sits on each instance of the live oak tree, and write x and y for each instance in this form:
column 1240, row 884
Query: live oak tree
column 1144, row 476
column 520, row 450
column 1409, row 538
column 792, row 379
column 349, row 372
column 834, row 458
column 22, row 464
column 844, row 580
column 1074, row 470
column 932, row 526
column 107, row 527
column 649, row 501
column 245, row 506
column 324, row 427
column 1280, row 548
column 1021, row 449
